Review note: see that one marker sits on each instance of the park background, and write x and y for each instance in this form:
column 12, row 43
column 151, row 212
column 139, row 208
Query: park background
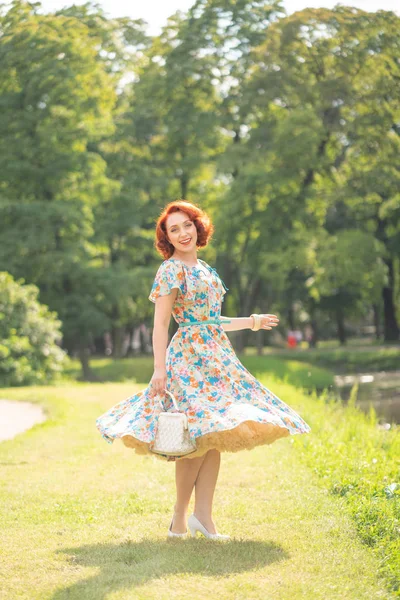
column 285, row 127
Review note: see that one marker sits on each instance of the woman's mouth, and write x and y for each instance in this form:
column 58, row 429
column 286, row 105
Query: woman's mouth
column 186, row 242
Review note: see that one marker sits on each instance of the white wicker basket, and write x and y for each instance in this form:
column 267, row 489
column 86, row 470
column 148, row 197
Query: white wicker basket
column 172, row 435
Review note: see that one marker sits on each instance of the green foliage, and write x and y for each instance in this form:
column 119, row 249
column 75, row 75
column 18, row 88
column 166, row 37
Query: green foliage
column 340, row 280
column 29, row 336
column 58, row 95
column 359, row 462
column 308, row 107
column 56, row 99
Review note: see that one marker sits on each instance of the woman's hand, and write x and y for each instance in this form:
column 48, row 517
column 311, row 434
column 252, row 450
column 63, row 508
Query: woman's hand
column 268, row 321
column 158, row 381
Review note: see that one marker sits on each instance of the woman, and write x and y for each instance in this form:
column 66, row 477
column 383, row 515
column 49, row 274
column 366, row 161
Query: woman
column 227, row 408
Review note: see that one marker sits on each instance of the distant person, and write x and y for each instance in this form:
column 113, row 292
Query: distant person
column 298, row 335
column 309, row 335
column 291, row 340
column 227, row 408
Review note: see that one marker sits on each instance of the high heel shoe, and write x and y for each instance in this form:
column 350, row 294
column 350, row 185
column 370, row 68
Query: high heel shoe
column 172, row 534
column 195, row 525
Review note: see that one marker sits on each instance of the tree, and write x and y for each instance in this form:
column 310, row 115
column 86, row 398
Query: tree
column 348, row 274
column 312, row 92
column 30, row 335
column 57, row 100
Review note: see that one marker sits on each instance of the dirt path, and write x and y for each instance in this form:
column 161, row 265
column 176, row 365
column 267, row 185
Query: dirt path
column 16, row 417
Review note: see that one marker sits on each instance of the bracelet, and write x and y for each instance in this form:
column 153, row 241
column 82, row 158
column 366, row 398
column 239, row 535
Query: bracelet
column 257, row 322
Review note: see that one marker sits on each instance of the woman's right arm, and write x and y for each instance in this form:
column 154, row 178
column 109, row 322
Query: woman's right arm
column 162, row 318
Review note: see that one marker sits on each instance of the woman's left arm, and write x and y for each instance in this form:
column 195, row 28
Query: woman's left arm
column 237, row 323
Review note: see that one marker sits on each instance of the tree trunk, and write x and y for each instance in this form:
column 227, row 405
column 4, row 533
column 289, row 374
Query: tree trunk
column 290, row 316
column 314, row 338
column 314, row 326
column 377, row 321
column 87, row 373
column 130, row 351
column 239, row 341
column 242, row 335
column 341, row 331
column 118, row 334
column 390, row 326
column 100, row 345
column 128, row 341
column 260, row 342
column 69, row 345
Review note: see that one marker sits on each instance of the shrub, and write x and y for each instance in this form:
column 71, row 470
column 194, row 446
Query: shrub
column 29, row 334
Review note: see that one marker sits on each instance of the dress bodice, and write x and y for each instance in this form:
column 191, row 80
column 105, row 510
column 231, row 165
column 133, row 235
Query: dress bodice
column 200, row 290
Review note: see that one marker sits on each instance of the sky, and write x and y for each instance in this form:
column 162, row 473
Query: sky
column 156, row 12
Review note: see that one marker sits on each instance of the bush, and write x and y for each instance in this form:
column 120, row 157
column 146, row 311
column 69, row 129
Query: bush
column 29, row 334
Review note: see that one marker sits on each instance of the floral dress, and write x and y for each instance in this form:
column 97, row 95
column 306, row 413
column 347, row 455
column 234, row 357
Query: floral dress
column 227, row 407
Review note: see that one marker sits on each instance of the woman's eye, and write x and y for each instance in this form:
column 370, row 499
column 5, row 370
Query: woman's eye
column 187, row 225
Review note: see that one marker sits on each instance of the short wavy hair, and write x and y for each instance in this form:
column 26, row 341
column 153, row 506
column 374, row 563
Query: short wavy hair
column 202, row 222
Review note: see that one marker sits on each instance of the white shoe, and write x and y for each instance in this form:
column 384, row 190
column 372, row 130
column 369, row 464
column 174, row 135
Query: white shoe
column 172, row 534
column 195, row 525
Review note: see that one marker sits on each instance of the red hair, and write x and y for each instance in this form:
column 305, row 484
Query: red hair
column 202, row 222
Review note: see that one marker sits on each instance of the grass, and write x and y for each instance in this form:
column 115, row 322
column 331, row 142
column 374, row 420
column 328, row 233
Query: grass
column 341, row 360
column 358, row 461
column 139, row 369
column 85, row 520
column 134, row 370
column 360, row 341
column 300, row 374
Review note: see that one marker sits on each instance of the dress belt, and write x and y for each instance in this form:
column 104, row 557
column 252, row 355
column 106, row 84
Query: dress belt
column 206, row 322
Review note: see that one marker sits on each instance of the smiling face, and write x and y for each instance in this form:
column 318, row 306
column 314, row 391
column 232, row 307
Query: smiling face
column 182, row 234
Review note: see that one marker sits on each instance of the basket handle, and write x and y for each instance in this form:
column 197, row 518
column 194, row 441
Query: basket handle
column 173, row 400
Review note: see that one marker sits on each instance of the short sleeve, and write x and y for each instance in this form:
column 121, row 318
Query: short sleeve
column 167, row 278
column 221, row 285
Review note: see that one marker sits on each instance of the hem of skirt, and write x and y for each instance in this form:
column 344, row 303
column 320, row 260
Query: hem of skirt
column 244, row 436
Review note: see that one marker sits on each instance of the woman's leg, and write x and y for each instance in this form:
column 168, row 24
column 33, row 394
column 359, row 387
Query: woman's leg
column 205, row 487
column 186, row 471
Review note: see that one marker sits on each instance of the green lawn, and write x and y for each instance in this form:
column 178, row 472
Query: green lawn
column 85, row 520
column 298, row 373
column 139, row 369
column 341, row 360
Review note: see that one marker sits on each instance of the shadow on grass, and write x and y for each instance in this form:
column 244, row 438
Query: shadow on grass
column 132, row 564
